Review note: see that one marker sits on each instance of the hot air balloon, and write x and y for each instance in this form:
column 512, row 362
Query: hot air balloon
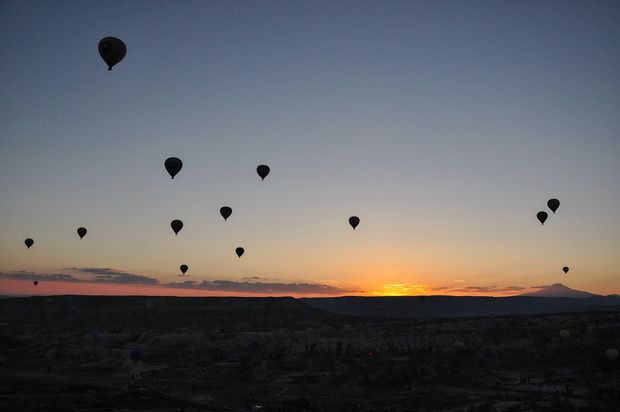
column 183, row 269
column 565, row 269
column 176, row 225
column 564, row 334
column 553, row 204
column 542, row 216
column 173, row 165
column 94, row 332
column 225, row 212
column 459, row 345
column 370, row 348
column 239, row 251
column 29, row 242
column 611, row 354
column 263, row 171
column 36, row 282
column 82, row 232
column 354, row 221
column 112, row 51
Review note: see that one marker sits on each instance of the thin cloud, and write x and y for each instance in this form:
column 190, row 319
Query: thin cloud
column 109, row 275
column 53, row 277
column 263, row 287
column 479, row 289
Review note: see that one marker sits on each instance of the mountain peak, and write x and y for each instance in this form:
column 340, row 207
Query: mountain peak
column 559, row 290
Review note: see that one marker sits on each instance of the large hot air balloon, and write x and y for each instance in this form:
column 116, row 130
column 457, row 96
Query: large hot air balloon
column 173, row 166
column 263, row 171
column 36, row 282
column 112, row 50
column 82, row 232
column 29, row 242
column 183, row 269
column 239, row 251
column 225, row 212
column 565, row 269
column 354, row 221
column 176, row 225
column 553, row 204
column 542, row 216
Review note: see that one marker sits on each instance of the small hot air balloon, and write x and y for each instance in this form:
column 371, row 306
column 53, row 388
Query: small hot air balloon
column 112, row 51
column 225, row 212
column 36, row 282
column 29, row 242
column 542, row 216
column 553, row 204
column 611, row 354
column 263, row 171
column 94, row 333
column 82, row 232
column 565, row 269
column 239, row 251
column 354, row 221
column 173, row 165
column 183, row 269
column 564, row 334
column 176, row 225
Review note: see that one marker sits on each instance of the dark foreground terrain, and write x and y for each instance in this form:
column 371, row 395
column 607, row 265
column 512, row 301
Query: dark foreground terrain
column 97, row 353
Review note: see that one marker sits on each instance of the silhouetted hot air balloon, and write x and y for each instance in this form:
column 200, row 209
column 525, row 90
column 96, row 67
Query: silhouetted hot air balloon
column 173, row 166
column 29, row 242
column 263, row 171
column 239, row 251
column 553, row 204
column 82, row 232
column 112, row 51
column 225, row 212
column 183, row 269
column 542, row 216
column 565, row 269
column 176, row 225
column 36, row 282
column 354, row 221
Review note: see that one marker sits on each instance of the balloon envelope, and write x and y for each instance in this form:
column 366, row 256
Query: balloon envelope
column 112, row 51
column 176, row 225
column 173, row 165
column 263, row 171
column 225, row 212
column 29, row 242
column 542, row 216
column 184, row 268
column 82, row 232
column 354, row 221
column 553, row 204
column 239, row 251
column 565, row 269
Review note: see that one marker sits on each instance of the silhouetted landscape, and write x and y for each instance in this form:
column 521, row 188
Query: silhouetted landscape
column 115, row 353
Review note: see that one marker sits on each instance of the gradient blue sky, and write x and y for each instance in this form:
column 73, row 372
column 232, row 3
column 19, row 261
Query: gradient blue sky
column 444, row 125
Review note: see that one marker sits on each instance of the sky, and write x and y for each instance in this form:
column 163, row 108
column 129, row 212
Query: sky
column 445, row 126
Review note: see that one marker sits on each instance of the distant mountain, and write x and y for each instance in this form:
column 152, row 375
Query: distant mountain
column 460, row 306
column 559, row 290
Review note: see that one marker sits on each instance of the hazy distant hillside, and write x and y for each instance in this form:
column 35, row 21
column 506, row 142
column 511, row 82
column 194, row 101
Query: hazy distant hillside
column 459, row 306
column 559, row 290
